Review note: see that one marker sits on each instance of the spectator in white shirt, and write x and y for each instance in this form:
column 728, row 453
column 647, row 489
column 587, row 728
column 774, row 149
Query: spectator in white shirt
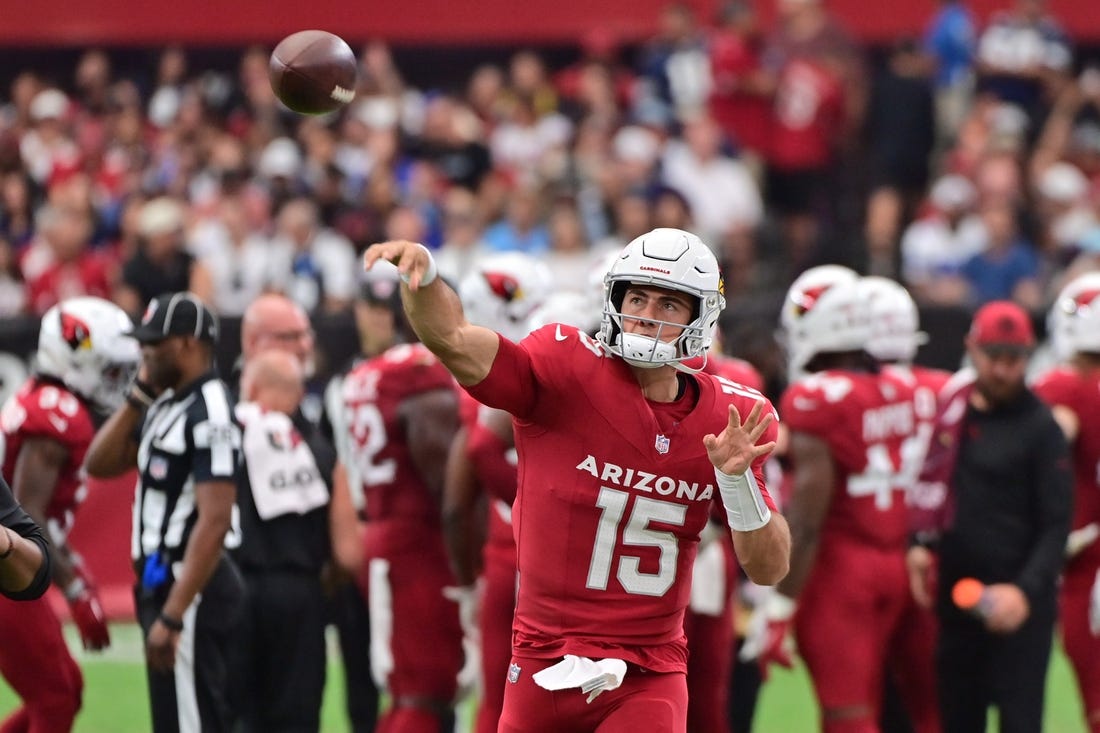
column 721, row 191
column 239, row 259
column 935, row 246
column 317, row 265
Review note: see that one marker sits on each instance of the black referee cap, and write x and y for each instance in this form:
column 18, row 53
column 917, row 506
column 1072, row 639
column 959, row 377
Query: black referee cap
column 176, row 314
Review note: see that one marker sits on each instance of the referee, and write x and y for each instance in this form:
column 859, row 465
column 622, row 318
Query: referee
column 177, row 428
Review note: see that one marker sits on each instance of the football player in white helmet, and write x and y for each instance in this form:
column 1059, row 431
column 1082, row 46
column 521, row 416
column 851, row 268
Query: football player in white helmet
column 823, row 313
column 569, row 309
column 674, row 260
column 1072, row 389
column 84, row 364
column 848, row 421
column 83, row 344
column 502, row 291
column 592, row 418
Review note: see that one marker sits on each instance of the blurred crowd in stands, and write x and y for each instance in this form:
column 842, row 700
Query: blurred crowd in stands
column 963, row 163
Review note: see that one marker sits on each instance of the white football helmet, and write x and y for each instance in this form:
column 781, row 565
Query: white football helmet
column 503, row 290
column 824, row 312
column 83, row 343
column 895, row 323
column 570, row 309
column 1074, row 320
column 666, row 258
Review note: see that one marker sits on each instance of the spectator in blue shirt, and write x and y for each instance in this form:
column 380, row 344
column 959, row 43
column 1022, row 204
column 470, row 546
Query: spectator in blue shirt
column 1008, row 268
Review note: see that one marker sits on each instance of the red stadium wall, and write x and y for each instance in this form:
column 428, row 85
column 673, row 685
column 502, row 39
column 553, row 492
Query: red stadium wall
column 127, row 22
column 102, row 536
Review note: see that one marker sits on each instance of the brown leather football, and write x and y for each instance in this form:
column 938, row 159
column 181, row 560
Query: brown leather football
column 313, row 72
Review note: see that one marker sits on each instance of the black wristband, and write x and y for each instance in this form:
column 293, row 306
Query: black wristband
column 173, row 624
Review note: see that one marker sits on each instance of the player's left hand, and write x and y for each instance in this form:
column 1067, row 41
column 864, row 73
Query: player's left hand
column 160, row 647
column 734, row 450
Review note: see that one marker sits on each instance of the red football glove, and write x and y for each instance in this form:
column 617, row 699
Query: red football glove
column 768, row 637
column 87, row 612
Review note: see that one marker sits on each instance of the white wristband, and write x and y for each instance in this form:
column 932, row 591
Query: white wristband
column 429, row 274
column 743, row 500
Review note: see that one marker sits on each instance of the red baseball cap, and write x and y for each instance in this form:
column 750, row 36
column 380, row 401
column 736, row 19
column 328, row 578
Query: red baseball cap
column 1002, row 323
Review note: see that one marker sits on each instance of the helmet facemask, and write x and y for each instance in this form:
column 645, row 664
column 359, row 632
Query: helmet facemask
column 674, row 260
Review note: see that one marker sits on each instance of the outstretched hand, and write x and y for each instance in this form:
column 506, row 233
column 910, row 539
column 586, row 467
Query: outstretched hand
column 734, row 450
column 412, row 259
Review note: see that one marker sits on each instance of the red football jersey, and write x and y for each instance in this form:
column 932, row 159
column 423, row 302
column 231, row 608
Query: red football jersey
column 1068, row 388
column 809, row 114
column 494, row 462
column 373, row 392
column 926, row 384
column 46, row 409
column 613, row 492
column 865, row 419
column 735, row 370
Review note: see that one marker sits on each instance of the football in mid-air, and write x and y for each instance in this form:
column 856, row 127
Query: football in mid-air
column 313, row 72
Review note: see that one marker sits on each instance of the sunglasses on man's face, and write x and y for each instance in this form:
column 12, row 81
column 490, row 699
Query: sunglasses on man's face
column 1006, row 352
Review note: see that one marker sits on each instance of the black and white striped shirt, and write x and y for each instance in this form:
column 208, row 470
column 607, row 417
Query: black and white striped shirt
column 187, row 438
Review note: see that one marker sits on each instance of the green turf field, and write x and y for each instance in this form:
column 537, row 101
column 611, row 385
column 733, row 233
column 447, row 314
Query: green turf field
column 115, row 699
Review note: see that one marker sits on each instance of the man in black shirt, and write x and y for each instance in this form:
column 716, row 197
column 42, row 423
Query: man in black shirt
column 24, row 561
column 284, row 502
column 186, row 447
column 1004, row 466
column 287, row 550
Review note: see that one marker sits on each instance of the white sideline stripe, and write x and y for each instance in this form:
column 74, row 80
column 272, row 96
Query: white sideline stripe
column 187, row 699
column 380, row 607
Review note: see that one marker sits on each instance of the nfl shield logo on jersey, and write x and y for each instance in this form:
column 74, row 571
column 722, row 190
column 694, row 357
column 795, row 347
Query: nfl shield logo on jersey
column 513, row 673
column 158, row 468
column 662, row 444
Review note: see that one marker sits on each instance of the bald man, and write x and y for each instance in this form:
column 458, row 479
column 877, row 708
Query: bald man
column 274, row 329
column 284, row 502
column 274, row 321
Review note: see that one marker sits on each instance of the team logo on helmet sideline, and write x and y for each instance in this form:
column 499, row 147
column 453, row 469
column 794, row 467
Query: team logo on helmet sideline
column 75, row 332
column 504, row 285
column 805, row 300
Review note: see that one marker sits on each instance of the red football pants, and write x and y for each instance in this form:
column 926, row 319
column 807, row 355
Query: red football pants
column 37, row 664
column 1082, row 648
column 851, row 616
column 498, row 606
column 708, row 625
column 646, row 701
column 416, row 639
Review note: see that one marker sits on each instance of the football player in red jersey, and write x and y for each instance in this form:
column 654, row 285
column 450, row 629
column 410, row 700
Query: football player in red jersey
column 84, row 363
column 848, row 423
column 709, row 620
column 1073, row 393
column 502, row 292
column 621, row 455
column 895, row 339
column 401, row 413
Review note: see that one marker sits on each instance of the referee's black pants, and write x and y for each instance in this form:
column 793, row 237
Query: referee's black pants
column 192, row 697
column 284, row 654
column 976, row 669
